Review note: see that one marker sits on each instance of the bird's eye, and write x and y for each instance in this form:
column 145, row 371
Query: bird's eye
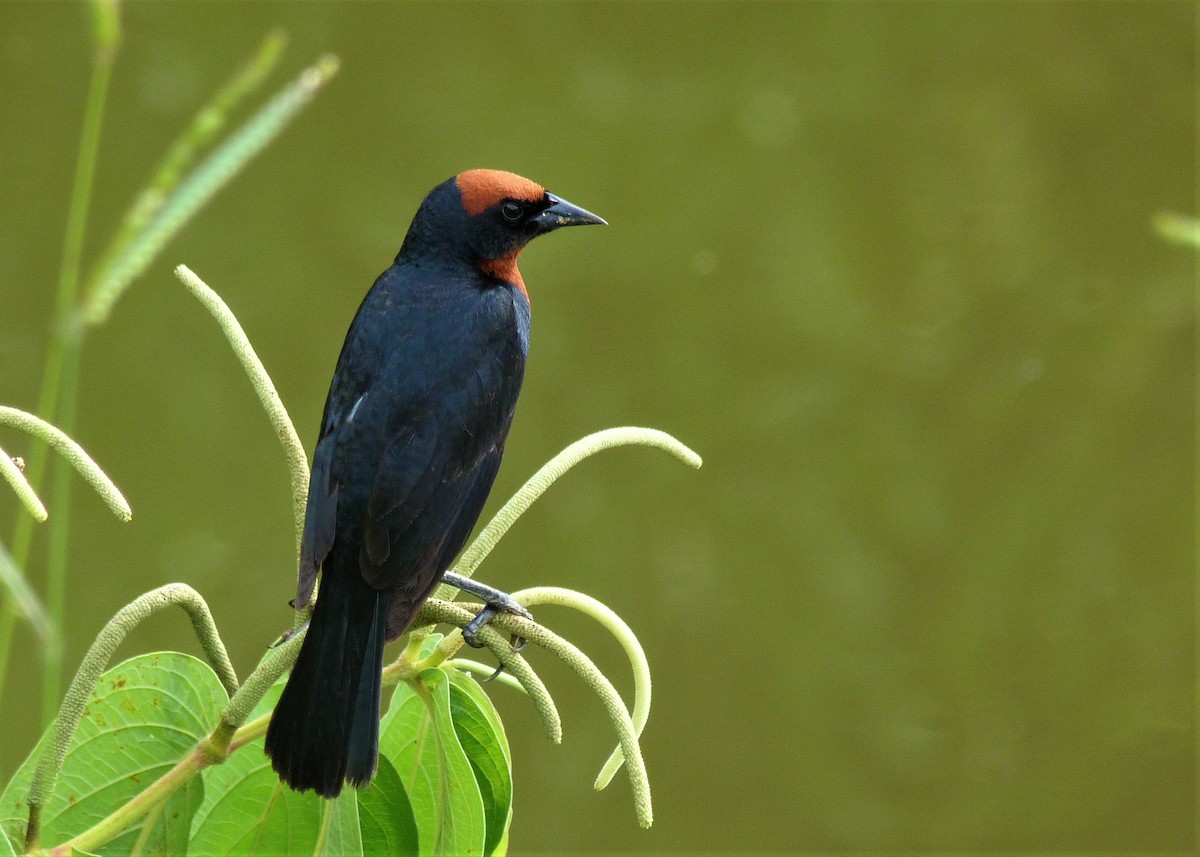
column 512, row 211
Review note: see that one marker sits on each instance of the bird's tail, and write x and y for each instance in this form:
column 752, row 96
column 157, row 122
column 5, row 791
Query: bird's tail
column 325, row 729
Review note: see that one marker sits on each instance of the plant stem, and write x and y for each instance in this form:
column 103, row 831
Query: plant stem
column 113, row 825
column 59, row 542
column 489, row 673
column 264, row 388
column 624, row 635
column 73, row 453
column 41, row 789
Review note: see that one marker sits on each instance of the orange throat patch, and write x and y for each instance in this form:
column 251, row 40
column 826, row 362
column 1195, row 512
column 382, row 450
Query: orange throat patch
column 505, row 269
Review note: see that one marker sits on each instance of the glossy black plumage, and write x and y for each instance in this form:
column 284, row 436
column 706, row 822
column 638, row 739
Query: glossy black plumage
column 411, row 440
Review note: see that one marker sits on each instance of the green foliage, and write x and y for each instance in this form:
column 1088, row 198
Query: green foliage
column 385, row 815
column 482, row 738
column 246, row 808
column 418, row 735
column 142, row 717
column 445, row 773
column 162, row 754
column 440, row 730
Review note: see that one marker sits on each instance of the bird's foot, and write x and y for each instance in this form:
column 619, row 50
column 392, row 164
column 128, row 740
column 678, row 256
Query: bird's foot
column 494, row 602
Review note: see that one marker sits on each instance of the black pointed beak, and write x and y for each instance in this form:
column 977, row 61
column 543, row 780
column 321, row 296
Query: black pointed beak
column 563, row 213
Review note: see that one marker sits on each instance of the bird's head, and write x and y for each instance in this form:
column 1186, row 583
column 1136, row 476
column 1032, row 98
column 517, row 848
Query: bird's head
column 491, row 215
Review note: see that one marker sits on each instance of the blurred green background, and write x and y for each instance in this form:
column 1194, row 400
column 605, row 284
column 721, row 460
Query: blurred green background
column 889, row 268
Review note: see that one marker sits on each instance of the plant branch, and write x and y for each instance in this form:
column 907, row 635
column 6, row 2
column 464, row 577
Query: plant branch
column 127, row 815
column 585, row 669
column 293, row 449
column 274, row 663
column 73, row 453
column 25, row 493
column 624, row 635
column 437, row 610
column 547, row 475
column 467, row 665
column 94, row 662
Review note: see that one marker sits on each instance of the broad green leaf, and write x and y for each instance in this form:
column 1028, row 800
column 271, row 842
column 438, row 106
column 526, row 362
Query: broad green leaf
column 385, row 817
column 145, row 715
column 6, row 847
column 502, row 845
column 172, row 823
column 419, row 738
column 464, row 681
column 482, row 738
column 246, row 810
column 342, row 837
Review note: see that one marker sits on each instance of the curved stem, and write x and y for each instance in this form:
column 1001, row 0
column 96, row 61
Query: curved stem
column 97, row 658
column 436, row 610
column 490, row 536
column 264, row 387
column 444, row 611
column 60, row 442
column 275, row 663
column 603, row 688
column 624, row 635
column 467, row 665
column 24, row 491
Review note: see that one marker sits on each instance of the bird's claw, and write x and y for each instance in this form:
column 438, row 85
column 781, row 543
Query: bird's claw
column 471, row 631
column 494, row 601
column 506, row 604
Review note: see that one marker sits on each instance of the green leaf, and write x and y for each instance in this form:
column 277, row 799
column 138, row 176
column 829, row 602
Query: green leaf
column 6, row 847
column 502, row 845
column 482, row 737
column 246, row 810
column 145, row 715
column 385, row 816
column 342, row 836
column 418, row 737
column 172, row 823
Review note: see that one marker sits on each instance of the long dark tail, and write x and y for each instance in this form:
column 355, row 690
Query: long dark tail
column 325, row 729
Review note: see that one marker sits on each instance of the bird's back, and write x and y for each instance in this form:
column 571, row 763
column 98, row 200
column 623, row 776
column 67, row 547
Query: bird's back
column 414, row 427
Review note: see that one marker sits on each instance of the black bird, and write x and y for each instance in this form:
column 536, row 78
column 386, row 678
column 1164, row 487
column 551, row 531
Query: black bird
column 411, row 439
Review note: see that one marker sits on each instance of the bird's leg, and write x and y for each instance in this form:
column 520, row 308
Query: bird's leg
column 494, row 602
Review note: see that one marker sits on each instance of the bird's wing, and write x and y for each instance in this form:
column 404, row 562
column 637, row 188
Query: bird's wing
column 320, row 519
column 433, row 477
column 324, row 487
column 408, row 473
column 443, row 528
